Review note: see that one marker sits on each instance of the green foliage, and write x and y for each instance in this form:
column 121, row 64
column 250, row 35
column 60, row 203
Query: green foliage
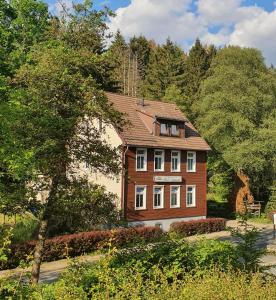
column 248, row 252
column 173, row 94
column 220, row 178
column 196, row 66
column 165, row 68
column 5, row 241
column 271, row 204
column 237, row 113
column 83, row 207
column 128, row 284
column 25, row 229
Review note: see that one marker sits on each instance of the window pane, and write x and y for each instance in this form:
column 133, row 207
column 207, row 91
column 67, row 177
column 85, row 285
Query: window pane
column 164, row 128
column 175, row 130
column 174, row 199
column 174, row 196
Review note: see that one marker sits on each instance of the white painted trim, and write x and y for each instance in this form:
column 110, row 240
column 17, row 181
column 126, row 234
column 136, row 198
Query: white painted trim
column 162, row 160
column 144, row 197
column 194, row 196
column 179, row 161
column 145, row 160
column 178, row 196
column 194, row 158
column 162, row 197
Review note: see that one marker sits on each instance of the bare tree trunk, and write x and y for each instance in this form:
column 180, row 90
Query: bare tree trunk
column 42, row 232
column 124, row 73
column 128, row 73
column 38, row 251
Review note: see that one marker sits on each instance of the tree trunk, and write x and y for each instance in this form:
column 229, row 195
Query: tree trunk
column 38, row 251
column 42, row 232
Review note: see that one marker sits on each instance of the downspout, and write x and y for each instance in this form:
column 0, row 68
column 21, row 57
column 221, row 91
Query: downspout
column 123, row 181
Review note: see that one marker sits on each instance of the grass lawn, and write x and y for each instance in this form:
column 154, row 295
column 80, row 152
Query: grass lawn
column 263, row 219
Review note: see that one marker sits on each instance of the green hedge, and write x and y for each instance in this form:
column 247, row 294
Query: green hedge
column 72, row 245
column 198, row 226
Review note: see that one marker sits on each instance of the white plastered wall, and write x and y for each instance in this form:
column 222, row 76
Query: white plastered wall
column 112, row 184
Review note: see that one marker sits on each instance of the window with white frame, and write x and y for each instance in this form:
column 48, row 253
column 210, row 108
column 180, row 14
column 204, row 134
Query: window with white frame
column 175, row 196
column 164, row 129
column 191, row 161
column 141, row 159
column 140, row 197
column 175, row 161
column 158, row 160
column 158, row 196
column 175, row 130
column 190, row 196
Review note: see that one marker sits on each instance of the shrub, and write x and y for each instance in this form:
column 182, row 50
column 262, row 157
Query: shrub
column 24, row 230
column 187, row 228
column 72, row 245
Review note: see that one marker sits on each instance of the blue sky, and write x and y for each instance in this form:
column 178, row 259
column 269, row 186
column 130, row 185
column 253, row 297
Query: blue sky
column 248, row 23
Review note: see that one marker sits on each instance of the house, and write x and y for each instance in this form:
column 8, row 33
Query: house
column 163, row 163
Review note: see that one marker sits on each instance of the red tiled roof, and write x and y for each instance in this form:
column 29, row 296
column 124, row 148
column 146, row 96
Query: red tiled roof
column 137, row 133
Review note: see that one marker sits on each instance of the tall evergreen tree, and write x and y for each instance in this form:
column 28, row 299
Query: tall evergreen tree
column 196, row 67
column 140, row 47
column 119, row 59
column 166, row 67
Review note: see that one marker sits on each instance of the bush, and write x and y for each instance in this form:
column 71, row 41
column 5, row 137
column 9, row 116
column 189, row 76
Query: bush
column 198, row 226
column 24, row 230
column 179, row 256
column 129, row 284
column 80, row 243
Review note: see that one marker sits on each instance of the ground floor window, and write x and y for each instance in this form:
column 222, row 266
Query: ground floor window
column 175, row 196
column 140, row 197
column 191, row 196
column 158, row 196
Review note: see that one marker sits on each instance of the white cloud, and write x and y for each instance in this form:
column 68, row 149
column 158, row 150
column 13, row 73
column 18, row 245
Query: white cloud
column 61, row 6
column 214, row 21
column 157, row 20
column 259, row 32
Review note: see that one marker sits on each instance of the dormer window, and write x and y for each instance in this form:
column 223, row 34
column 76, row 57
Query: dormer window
column 164, row 129
column 175, row 130
column 169, row 129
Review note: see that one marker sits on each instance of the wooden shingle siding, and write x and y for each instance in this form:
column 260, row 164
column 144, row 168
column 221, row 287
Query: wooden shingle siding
column 134, row 178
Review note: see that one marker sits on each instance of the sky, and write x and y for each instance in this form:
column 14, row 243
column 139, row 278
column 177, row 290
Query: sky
column 247, row 23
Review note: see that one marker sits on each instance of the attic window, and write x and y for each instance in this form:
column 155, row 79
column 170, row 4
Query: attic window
column 169, row 129
column 175, row 130
column 164, row 129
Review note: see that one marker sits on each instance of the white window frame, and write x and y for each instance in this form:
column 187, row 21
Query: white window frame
column 178, row 196
column 144, row 197
column 177, row 129
column 179, row 160
column 162, row 160
column 194, row 161
column 194, row 196
column 162, row 196
column 145, row 159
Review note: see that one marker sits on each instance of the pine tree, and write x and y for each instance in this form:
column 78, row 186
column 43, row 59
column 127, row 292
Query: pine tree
column 140, row 47
column 117, row 53
column 197, row 65
column 166, row 67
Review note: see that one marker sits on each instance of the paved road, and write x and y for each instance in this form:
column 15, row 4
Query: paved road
column 50, row 271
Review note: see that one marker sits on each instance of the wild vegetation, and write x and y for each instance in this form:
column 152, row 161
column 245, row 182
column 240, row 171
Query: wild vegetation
column 53, row 74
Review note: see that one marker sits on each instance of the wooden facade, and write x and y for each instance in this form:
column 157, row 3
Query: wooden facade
column 134, row 177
